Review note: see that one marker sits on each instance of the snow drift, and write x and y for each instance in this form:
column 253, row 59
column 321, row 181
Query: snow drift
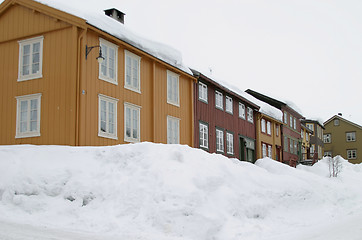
column 156, row 191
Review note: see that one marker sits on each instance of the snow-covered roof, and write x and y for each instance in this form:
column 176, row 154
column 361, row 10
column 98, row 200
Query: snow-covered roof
column 93, row 12
column 264, row 107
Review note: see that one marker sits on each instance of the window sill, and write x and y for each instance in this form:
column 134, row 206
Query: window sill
column 109, row 80
column 132, row 89
column 131, row 140
column 30, row 78
column 174, row 104
column 27, row 135
column 105, row 135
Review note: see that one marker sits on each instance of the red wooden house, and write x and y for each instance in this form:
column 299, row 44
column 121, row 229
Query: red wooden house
column 224, row 120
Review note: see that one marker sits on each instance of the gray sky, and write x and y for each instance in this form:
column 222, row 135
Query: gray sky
column 307, row 51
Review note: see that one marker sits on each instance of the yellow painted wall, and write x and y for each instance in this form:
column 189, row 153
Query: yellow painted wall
column 57, row 84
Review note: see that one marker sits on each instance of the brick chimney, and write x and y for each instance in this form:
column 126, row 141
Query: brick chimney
column 115, row 14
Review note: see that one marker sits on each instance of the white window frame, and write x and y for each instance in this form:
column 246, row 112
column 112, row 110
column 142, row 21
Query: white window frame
column 241, row 110
column 264, row 153
column 203, row 92
column 285, row 118
column 352, row 154
column 203, row 135
column 28, row 99
column 219, row 100
column 294, row 123
column 132, row 75
column 107, row 133
column 270, row 151
column 291, row 121
column 268, row 127
column 173, row 135
column 327, row 138
column 350, row 136
column 250, row 115
column 277, row 130
column 137, row 126
column 219, row 140
column 22, row 43
column 105, row 53
column 228, row 105
column 262, row 125
column 173, row 88
column 229, row 143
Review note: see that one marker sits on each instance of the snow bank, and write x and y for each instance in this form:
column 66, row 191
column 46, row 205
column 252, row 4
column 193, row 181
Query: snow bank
column 155, row 191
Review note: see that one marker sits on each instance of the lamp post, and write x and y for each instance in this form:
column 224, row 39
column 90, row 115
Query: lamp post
column 100, row 58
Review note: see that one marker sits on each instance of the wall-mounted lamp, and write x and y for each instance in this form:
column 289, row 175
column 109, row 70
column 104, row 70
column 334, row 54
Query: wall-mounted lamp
column 100, row 58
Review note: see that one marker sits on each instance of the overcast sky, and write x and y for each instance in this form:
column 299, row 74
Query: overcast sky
column 308, row 52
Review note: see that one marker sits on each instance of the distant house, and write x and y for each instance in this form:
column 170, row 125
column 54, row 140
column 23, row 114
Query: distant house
column 307, row 157
column 343, row 137
column 316, row 139
column 225, row 121
column 269, row 123
column 54, row 91
column 291, row 128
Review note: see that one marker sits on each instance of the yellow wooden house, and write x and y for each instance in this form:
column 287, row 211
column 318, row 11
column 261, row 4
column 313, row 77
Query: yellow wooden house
column 53, row 89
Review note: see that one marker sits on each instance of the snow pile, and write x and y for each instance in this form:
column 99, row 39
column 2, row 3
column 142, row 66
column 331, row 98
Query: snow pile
column 155, row 191
column 92, row 12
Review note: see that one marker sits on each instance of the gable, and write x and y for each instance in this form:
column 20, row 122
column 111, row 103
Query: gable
column 18, row 21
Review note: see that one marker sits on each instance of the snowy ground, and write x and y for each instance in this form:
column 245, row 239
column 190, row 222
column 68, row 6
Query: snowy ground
column 154, row 191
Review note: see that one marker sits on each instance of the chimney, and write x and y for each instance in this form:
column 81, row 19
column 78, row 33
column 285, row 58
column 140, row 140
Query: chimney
column 340, row 114
column 115, row 14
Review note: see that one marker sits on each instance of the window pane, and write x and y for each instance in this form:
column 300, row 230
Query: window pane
column 23, row 127
column 36, row 47
column 135, row 123
column 128, row 122
column 36, row 58
column 26, row 49
column 33, row 126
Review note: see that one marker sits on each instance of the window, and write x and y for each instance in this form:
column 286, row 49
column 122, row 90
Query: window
column 307, row 137
column 268, row 128
column 229, row 143
column 219, row 100
column 241, row 110
column 302, row 133
column 262, row 125
column 250, row 115
column 328, row 154
column 28, row 116
column 327, row 138
column 30, row 58
column 132, row 78
column 336, row 122
column 204, row 135
column 270, row 151
column 108, row 68
column 173, row 88
column 291, row 146
column 294, row 123
column 219, row 140
column 352, row 154
column 264, row 150
column 319, row 152
column 132, row 118
column 202, row 92
column 285, row 117
column 295, row 147
column 277, row 130
column 229, row 105
column 107, row 117
column 351, row 136
column 312, row 150
column 285, row 144
column 291, row 121
column 173, row 130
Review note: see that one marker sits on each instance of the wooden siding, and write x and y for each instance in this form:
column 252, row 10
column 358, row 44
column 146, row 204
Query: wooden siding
column 57, row 84
column 70, row 85
column 214, row 117
column 152, row 100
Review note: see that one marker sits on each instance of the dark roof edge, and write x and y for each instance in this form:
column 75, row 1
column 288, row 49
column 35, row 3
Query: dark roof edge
column 198, row 74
